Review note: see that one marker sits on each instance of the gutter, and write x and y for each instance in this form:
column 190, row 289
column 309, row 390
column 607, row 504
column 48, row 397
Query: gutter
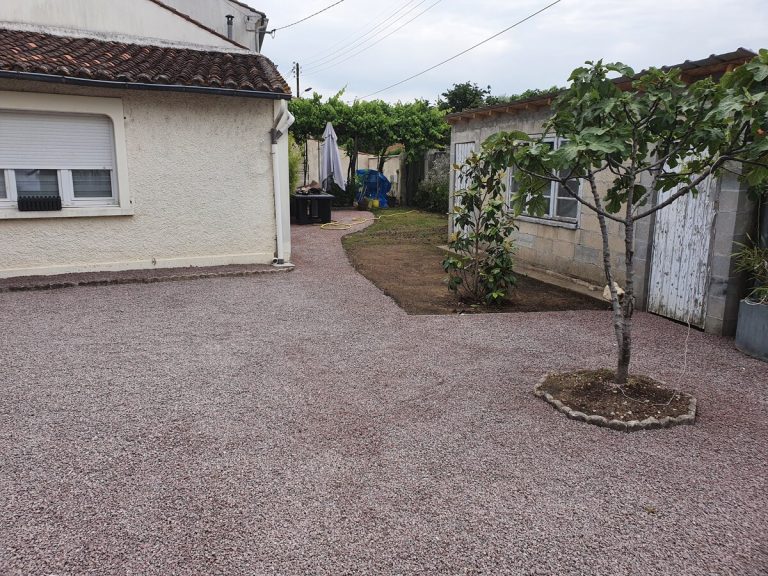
column 282, row 123
column 53, row 78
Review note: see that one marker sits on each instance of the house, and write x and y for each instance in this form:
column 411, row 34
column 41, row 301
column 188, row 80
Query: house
column 684, row 267
column 134, row 137
column 235, row 20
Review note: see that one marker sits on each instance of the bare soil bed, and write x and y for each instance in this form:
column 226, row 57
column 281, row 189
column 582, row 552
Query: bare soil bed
column 593, row 392
column 400, row 255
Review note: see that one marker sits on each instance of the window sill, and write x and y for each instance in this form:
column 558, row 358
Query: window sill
column 84, row 212
column 549, row 222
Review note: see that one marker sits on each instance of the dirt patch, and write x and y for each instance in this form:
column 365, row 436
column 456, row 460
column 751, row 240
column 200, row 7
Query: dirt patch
column 409, row 270
column 593, row 392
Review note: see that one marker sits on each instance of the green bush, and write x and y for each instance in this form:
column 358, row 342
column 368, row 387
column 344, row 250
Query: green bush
column 480, row 270
column 295, row 159
column 432, row 193
column 432, row 196
column 343, row 196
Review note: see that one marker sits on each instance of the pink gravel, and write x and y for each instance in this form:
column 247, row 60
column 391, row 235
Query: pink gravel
column 303, row 424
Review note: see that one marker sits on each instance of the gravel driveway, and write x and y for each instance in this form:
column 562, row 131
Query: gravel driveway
column 303, row 424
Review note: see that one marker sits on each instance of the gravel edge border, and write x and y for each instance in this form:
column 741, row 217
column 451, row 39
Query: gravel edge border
column 650, row 423
column 140, row 280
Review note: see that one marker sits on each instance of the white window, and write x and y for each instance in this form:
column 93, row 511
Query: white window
column 560, row 206
column 70, row 157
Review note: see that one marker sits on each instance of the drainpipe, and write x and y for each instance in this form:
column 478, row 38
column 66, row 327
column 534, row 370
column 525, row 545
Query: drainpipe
column 261, row 31
column 230, row 20
column 282, row 123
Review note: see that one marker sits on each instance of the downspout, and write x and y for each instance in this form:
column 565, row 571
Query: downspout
column 282, row 123
column 261, row 31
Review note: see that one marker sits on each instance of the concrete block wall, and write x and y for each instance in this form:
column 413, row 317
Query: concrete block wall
column 735, row 219
column 572, row 249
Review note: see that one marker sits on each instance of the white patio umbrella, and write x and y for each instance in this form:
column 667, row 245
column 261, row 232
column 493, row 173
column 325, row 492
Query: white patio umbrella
column 330, row 163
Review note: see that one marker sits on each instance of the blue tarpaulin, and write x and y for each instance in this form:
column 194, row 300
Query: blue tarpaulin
column 375, row 187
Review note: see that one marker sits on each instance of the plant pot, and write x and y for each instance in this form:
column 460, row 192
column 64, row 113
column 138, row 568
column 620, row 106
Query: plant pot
column 752, row 329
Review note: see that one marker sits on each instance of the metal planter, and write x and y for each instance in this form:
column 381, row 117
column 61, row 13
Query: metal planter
column 752, row 329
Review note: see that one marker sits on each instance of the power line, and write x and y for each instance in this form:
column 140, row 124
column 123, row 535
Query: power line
column 547, row 7
column 306, row 18
column 331, row 65
column 358, row 39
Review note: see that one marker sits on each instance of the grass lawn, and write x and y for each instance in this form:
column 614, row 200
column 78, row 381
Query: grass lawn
column 400, row 254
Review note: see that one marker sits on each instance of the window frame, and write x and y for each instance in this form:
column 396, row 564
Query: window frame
column 551, row 218
column 119, row 204
column 9, row 179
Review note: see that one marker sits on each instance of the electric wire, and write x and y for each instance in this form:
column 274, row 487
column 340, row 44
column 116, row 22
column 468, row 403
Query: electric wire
column 547, row 7
column 305, row 18
column 329, row 65
column 346, row 43
column 360, row 39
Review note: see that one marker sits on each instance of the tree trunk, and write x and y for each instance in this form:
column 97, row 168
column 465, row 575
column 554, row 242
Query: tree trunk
column 627, row 308
column 353, row 166
column 619, row 326
column 382, row 159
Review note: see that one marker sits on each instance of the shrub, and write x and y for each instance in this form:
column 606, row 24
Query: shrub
column 295, row 159
column 753, row 260
column 343, row 196
column 432, row 193
column 481, row 269
column 432, row 196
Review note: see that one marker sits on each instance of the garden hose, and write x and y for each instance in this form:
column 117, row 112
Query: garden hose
column 335, row 225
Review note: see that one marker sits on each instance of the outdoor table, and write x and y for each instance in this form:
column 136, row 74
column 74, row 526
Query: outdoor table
column 311, row 208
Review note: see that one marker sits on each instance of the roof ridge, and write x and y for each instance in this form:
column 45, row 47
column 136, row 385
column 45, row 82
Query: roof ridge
column 196, row 22
column 118, row 37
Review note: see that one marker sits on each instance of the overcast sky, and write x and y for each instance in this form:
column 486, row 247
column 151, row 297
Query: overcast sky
column 536, row 54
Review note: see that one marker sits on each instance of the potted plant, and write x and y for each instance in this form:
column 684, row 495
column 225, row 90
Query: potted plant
column 752, row 327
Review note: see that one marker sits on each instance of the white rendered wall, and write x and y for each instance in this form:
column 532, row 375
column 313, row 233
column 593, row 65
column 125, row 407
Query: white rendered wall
column 213, row 13
column 200, row 177
column 126, row 20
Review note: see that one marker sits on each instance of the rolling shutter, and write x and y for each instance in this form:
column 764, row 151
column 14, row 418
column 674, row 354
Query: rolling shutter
column 55, row 141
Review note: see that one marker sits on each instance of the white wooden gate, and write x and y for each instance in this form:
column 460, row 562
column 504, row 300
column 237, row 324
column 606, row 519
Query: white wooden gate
column 680, row 261
column 461, row 152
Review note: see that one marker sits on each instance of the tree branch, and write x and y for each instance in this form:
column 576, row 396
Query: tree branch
column 571, row 193
column 684, row 190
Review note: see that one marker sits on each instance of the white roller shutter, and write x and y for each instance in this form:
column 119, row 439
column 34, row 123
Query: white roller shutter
column 56, row 141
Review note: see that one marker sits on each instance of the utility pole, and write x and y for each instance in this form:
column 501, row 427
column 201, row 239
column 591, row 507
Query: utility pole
column 297, row 71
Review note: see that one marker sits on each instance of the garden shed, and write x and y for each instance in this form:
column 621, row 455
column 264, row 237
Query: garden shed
column 683, row 255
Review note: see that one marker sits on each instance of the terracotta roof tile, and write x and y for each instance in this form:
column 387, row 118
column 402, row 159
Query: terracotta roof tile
column 92, row 59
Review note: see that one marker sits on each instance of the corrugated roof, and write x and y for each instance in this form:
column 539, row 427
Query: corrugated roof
column 36, row 55
column 692, row 70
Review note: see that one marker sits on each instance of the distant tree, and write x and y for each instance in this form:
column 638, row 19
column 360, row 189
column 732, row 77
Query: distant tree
column 463, row 96
column 310, row 115
column 371, row 126
column 533, row 93
column 419, row 127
